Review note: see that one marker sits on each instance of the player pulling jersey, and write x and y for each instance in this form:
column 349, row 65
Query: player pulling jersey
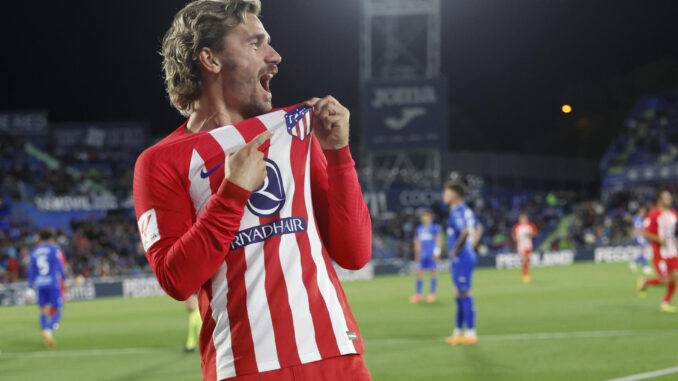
column 274, row 300
column 45, row 273
column 427, row 249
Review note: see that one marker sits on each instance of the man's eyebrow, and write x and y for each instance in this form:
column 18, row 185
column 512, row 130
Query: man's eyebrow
column 261, row 37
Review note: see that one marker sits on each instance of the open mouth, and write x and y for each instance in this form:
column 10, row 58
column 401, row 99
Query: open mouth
column 265, row 81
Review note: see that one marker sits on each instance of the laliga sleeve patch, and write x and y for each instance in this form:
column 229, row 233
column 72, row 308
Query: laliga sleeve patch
column 148, row 229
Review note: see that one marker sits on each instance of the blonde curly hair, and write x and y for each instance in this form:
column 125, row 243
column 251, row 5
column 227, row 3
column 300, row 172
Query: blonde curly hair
column 200, row 24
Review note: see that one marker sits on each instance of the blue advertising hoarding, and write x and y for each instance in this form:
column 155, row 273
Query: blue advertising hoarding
column 405, row 113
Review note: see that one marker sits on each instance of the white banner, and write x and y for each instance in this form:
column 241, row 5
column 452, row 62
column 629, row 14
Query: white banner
column 613, row 254
column 546, row 259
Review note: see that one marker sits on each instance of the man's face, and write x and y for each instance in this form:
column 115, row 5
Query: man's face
column 426, row 219
column 249, row 63
column 449, row 196
column 665, row 199
column 523, row 219
column 642, row 211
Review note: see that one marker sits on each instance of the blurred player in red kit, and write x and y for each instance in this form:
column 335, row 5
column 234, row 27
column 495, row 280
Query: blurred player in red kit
column 523, row 234
column 249, row 206
column 660, row 230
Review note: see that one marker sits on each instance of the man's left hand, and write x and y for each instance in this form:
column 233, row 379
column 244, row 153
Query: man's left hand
column 330, row 121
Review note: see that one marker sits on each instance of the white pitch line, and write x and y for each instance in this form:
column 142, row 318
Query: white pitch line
column 645, row 376
column 532, row 336
column 402, row 340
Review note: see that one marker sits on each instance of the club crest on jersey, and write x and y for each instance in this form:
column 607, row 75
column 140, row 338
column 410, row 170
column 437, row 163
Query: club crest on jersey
column 270, row 197
column 298, row 122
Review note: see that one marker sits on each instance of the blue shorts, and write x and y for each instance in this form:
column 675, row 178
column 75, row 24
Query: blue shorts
column 50, row 295
column 462, row 271
column 427, row 263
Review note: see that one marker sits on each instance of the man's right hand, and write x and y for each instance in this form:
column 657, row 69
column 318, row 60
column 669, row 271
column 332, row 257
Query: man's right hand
column 246, row 167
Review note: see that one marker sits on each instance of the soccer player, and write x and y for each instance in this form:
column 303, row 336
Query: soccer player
column 427, row 244
column 523, row 234
column 250, row 206
column 660, row 230
column 641, row 242
column 463, row 261
column 44, row 274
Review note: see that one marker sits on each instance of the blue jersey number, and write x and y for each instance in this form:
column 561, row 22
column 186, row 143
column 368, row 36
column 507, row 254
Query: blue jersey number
column 43, row 265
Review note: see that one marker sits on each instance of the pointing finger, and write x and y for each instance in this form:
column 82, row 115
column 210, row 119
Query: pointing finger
column 260, row 139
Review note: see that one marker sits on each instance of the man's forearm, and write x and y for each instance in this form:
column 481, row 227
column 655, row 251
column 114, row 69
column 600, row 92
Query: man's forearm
column 460, row 241
column 183, row 264
column 347, row 213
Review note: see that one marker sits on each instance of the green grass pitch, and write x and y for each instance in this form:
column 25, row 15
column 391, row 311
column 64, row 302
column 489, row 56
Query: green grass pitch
column 583, row 322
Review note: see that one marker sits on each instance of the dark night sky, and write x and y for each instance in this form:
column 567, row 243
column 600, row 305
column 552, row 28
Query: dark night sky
column 510, row 63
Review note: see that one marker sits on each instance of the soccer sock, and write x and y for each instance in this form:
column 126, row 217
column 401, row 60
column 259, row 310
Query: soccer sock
column 434, row 285
column 194, row 324
column 56, row 317
column 44, row 322
column 469, row 313
column 670, row 289
column 642, row 260
column 652, row 282
column 526, row 267
column 460, row 314
column 419, row 286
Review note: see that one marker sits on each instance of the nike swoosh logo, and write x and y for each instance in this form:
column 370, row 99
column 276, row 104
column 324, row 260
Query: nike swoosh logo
column 205, row 175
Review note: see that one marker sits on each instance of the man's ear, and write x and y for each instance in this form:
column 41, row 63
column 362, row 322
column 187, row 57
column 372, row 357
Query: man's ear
column 209, row 61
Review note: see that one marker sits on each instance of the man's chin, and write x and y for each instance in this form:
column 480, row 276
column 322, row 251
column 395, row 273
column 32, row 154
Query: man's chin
column 256, row 109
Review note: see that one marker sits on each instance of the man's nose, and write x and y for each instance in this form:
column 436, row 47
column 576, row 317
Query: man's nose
column 273, row 57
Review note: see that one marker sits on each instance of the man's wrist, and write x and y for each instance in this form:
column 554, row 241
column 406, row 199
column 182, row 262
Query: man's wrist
column 338, row 156
column 232, row 191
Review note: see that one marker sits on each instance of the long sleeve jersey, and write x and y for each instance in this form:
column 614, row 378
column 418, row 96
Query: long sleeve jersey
column 261, row 261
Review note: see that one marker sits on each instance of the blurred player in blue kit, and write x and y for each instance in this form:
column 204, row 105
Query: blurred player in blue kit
column 427, row 244
column 460, row 230
column 45, row 273
column 641, row 242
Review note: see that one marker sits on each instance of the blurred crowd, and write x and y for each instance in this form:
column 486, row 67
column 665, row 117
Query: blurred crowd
column 566, row 220
column 101, row 247
column 27, row 171
column 94, row 248
column 394, row 234
column 650, row 135
column 608, row 220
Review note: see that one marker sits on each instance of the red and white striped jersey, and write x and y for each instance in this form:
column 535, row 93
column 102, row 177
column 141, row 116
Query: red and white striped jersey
column 663, row 224
column 269, row 296
column 523, row 234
